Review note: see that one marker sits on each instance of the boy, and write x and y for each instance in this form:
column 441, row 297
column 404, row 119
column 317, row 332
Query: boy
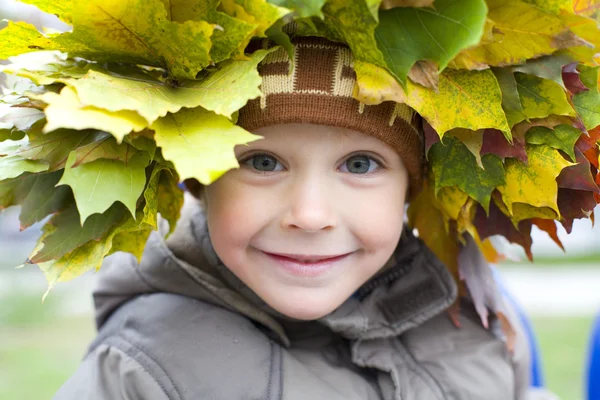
column 294, row 277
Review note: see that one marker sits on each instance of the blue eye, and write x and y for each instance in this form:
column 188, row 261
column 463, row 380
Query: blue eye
column 360, row 164
column 263, row 163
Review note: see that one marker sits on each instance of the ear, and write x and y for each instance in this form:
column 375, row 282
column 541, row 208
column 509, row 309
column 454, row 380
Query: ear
column 194, row 187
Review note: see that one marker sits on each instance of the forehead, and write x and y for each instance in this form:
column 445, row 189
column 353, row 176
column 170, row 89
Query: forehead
column 301, row 134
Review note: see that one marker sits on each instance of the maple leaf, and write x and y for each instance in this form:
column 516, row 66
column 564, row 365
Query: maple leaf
column 476, row 98
column 100, row 183
column 575, row 204
column 200, row 143
column 542, row 97
column 579, row 176
column 387, row 4
column 511, row 101
column 497, row 223
column 535, row 183
column 63, row 233
column 587, row 103
column 519, row 32
column 562, row 137
column 494, row 142
column 423, row 33
column 374, row 85
column 303, row 8
column 549, row 226
column 454, row 165
column 62, row 9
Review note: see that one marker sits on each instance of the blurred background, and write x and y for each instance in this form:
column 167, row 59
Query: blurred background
column 41, row 344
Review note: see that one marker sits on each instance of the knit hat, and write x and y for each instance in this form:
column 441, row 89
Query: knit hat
column 318, row 88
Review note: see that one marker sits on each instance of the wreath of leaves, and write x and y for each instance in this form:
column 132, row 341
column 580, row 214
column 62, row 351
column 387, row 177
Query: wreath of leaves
column 108, row 118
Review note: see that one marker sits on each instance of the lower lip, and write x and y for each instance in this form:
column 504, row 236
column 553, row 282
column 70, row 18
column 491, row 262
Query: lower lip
column 312, row 269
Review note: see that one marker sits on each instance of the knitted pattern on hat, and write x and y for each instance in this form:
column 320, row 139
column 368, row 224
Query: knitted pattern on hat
column 318, row 89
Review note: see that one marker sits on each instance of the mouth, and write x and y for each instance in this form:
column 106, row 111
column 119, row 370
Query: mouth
column 305, row 265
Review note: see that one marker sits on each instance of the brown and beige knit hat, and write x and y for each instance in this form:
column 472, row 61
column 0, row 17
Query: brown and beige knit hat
column 318, row 90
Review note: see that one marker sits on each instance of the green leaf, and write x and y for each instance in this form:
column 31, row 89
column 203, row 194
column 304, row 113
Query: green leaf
column 511, row 102
column 63, row 233
column 104, row 147
column 54, row 147
column 62, row 9
column 39, row 197
column 454, row 165
column 533, row 183
column 350, row 22
column 302, row 8
column 170, row 197
column 65, row 110
column 224, row 91
column 563, row 137
column 46, row 67
column 587, row 103
column 542, row 97
column 547, row 67
column 516, row 32
column 227, row 38
column 407, row 35
column 200, row 143
column 20, row 37
column 18, row 118
column 131, row 241
column 465, row 99
column 14, row 165
column 98, row 184
column 257, row 12
column 150, row 213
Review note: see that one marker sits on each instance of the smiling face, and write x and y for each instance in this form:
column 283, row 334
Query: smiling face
column 312, row 213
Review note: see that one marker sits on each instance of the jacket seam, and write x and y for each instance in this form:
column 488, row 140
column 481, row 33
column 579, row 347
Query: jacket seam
column 418, row 369
column 275, row 359
column 112, row 341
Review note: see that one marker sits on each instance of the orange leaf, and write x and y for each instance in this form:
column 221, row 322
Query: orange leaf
column 548, row 226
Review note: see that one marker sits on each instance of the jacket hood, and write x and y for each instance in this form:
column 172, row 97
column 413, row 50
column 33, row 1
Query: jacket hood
column 414, row 287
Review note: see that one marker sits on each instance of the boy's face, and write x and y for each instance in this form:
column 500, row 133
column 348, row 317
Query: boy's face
column 303, row 193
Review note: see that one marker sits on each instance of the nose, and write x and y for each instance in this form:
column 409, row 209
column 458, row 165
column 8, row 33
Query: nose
column 310, row 208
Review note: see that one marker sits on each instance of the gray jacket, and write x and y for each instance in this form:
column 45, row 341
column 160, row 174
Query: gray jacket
column 180, row 326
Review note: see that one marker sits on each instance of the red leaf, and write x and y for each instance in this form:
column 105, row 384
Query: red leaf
column 575, row 204
column 431, row 136
column 495, row 142
column 499, row 224
column 549, row 226
column 579, row 176
column 570, row 77
column 588, row 145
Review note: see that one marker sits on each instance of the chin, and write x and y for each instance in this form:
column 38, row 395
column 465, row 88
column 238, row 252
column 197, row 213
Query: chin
column 307, row 306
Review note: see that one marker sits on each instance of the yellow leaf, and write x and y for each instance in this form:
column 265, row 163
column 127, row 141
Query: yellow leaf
column 200, row 143
column 521, row 31
column 542, row 97
column 534, row 184
column 428, row 220
column 62, row 9
column 387, row 4
column 257, row 12
column 375, row 85
column 452, row 200
column 64, row 110
column 473, row 141
column 466, row 99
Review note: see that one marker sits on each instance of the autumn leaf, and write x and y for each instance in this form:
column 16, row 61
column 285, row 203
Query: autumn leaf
column 454, row 165
column 387, row 4
column 520, row 32
column 170, row 197
column 63, row 233
column 406, row 35
column 546, row 67
column 535, row 183
column 497, row 223
column 542, row 97
column 587, row 103
column 302, row 8
column 451, row 201
column 230, row 32
column 562, row 137
column 511, row 101
column 574, row 204
column 424, row 216
column 12, row 166
column 39, row 197
column 554, row 6
column 475, row 98
column 62, row 9
column 98, row 184
column 65, row 110
column 549, row 226
column 200, row 143
column 20, row 37
column 374, row 85
column 425, row 73
column 579, row 176
column 494, row 142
